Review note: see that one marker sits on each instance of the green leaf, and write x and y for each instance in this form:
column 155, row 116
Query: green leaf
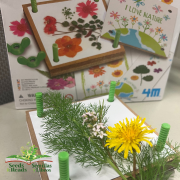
column 86, row 25
column 84, row 32
column 142, row 69
column 91, row 22
column 74, row 23
column 65, row 24
column 94, row 17
column 80, row 26
column 78, row 35
column 93, row 27
column 90, row 39
column 80, row 20
column 98, row 47
column 93, row 44
column 99, row 44
column 148, row 78
column 97, row 21
column 101, row 22
column 72, row 28
column 45, row 73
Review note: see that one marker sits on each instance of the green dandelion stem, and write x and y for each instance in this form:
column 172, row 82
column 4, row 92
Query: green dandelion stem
column 116, row 169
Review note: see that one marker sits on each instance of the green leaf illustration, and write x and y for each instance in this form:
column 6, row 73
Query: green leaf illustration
column 84, row 32
column 81, row 20
column 45, row 73
column 142, row 69
column 101, row 22
column 90, row 39
column 97, row 21
column 94, row 44
column 78, row 35
column 86, row 25
column 74, row 23
column 94, row 17
column 72, row 28
column 91, row 22
column 93, row 27
column 148, row 78
column 65, row 24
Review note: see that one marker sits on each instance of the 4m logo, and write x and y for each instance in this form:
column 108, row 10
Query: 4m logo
column 152, row 92
column 28, row 155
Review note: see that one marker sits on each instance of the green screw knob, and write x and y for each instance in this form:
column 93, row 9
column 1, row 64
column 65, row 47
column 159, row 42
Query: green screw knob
column 55, row 53
column 117, row 37
column 63, row 165
column 39, row 104
column 112, row 91
column 165, row 127
column 34, row 6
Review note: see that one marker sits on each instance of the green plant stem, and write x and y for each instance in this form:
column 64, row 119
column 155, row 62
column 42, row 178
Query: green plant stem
column 83, row 82
column 134, row 164
column 116, row 169
column 141, row 79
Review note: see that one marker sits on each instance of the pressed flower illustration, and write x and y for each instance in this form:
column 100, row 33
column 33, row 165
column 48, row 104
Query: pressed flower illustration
column 68, row 47
column 157, row 70
column 124, row 21
column 167, row 1
column 106, row 86
column 163, row 37
column 134, row 78
column 100, row 84
column 115, row 64
column 56, row 84
column 147, row 24
column 97, row 71
column 71, row 82
column 133, row 20
column 20, row 28
column 114, row 15
column 49, row 20
column 67, row 13
column 50, row 29
column 128, row 136
column 158, row 30
column 117, row 73
column 93, row 87
column 86, row 9
column 151, row 30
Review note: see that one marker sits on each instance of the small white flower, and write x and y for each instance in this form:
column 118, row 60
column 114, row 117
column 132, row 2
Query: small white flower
column 95, row 133
column 89, row 125
column 84, row 115
column 101, row 134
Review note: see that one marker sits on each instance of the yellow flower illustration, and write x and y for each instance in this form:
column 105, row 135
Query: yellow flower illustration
column 115, row 64
column 127, row 137
column 117, row 73
column 167, row 1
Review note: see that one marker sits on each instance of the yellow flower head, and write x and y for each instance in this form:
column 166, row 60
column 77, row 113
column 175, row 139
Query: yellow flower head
column 128, row 136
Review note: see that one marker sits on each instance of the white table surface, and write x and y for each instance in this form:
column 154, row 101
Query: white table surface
column 14, row 132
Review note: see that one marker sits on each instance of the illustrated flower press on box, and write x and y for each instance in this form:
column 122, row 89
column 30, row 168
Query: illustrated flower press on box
column 75, row 27
column 144, row 24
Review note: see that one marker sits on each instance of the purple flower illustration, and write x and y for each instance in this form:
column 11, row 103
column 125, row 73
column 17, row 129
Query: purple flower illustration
column 56, row 84
column 157, row 70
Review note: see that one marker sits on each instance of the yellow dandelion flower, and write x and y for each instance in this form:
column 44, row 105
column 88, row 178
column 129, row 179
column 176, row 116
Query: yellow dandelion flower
column 127, row 137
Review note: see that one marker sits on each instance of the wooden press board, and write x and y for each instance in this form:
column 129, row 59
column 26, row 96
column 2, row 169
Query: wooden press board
column 89, row 56
column 117, row 112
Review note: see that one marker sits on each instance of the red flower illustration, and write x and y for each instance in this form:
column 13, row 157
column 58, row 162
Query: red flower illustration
column 85, row 9
column 115, row 15
column 49, row 20
column 68, row 47
column 50, row 29
column 20, row 28
column 96, row 71
column 56, row 84
column 151, row 63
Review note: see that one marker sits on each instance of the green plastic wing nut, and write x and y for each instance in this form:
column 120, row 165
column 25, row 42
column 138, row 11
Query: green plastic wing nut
column 32, row 61
column 117, row 37
column 112, row 91
column 19, row 48
column 34, row 6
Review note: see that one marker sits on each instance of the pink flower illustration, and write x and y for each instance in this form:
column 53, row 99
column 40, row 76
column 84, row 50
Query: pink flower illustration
column 71, row 82
column 122, row 1
column 115, row 15
column 56, row 84
column 86, row 9
column 151, row 30
column 93, row 87
column 20, row 28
